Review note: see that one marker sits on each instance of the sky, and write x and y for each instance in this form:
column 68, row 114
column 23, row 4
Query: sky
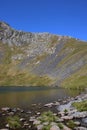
column 62, row 17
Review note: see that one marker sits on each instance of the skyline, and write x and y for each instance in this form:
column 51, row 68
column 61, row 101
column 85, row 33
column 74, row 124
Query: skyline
column 61, row 17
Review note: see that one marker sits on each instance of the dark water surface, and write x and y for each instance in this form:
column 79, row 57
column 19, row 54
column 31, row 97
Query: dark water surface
column 23, row 97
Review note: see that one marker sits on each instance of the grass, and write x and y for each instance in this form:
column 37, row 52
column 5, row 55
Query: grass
column 71, row 124
column 80, row 106
column 11, row 75
column 14, row 122
column 49, row 117
column 78, row 80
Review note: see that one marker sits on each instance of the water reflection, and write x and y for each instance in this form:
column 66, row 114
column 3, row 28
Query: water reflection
column 24, row 97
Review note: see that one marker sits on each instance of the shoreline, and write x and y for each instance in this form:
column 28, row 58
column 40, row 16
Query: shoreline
column 37, row 109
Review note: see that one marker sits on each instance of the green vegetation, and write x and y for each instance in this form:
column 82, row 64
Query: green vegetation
column 65, row 111
column 71, row 124
column 49, row 118
column 78, row 80
column 80, row 106
column 11, row 73
column 13, row 122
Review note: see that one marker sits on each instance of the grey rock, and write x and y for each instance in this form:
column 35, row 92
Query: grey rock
column 54, row 127
column 32, row 118
column 45, row 123
column 7, row 126
column 22, row 119
column 5, row 109
column 84, row 121
column 36, row 122
column 39, row 127
column 4, row 129
column 48, row 105
column 81, row 128
column 77, row 123
column 66, row 128
column 67, row 117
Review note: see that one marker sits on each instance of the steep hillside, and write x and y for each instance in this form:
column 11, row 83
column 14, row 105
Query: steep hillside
column 41, row 59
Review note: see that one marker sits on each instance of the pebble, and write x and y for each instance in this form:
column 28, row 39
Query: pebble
column 7, row 125
column 22, row 119
column 38, row 113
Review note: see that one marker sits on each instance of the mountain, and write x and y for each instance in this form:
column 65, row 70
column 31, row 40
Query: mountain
column 41, row 59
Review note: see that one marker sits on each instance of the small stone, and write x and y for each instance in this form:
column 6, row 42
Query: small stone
column 54, row 127
column 22, row 119
column 56, row 103
column 38, row 113
column 26, row 124
column 53, row 123
column 11, row 113
column 4, row 129
column 48, row 105
column 77, row 123
column 29, row 112
column 22, row 111
column 7, row 125
column 14, row 110
column 55, row 114
column 34, row 104
column 67, row 117
column 5, row 109
column 45, row 123
column 60, row 120
column 18, row 109
column 32, row 118
column 66, row 128
column 36, row 122
column 39, row 127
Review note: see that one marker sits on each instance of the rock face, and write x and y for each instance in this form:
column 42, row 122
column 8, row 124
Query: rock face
column 39, row 57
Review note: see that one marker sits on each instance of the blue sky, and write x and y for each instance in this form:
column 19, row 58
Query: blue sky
column 63, row 17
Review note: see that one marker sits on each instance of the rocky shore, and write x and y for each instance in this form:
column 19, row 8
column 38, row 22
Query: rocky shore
column 57, row 115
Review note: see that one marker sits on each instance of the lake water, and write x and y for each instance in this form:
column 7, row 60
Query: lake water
column 23, row 97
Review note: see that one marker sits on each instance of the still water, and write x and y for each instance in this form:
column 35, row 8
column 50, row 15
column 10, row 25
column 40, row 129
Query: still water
column 23, row 97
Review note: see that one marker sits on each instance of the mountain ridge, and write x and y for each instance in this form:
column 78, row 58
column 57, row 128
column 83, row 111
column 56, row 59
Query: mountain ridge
column 41, row 59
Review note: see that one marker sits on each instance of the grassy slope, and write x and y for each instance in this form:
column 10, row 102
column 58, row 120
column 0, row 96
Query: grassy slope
column 79, row 78
column 10, row 74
